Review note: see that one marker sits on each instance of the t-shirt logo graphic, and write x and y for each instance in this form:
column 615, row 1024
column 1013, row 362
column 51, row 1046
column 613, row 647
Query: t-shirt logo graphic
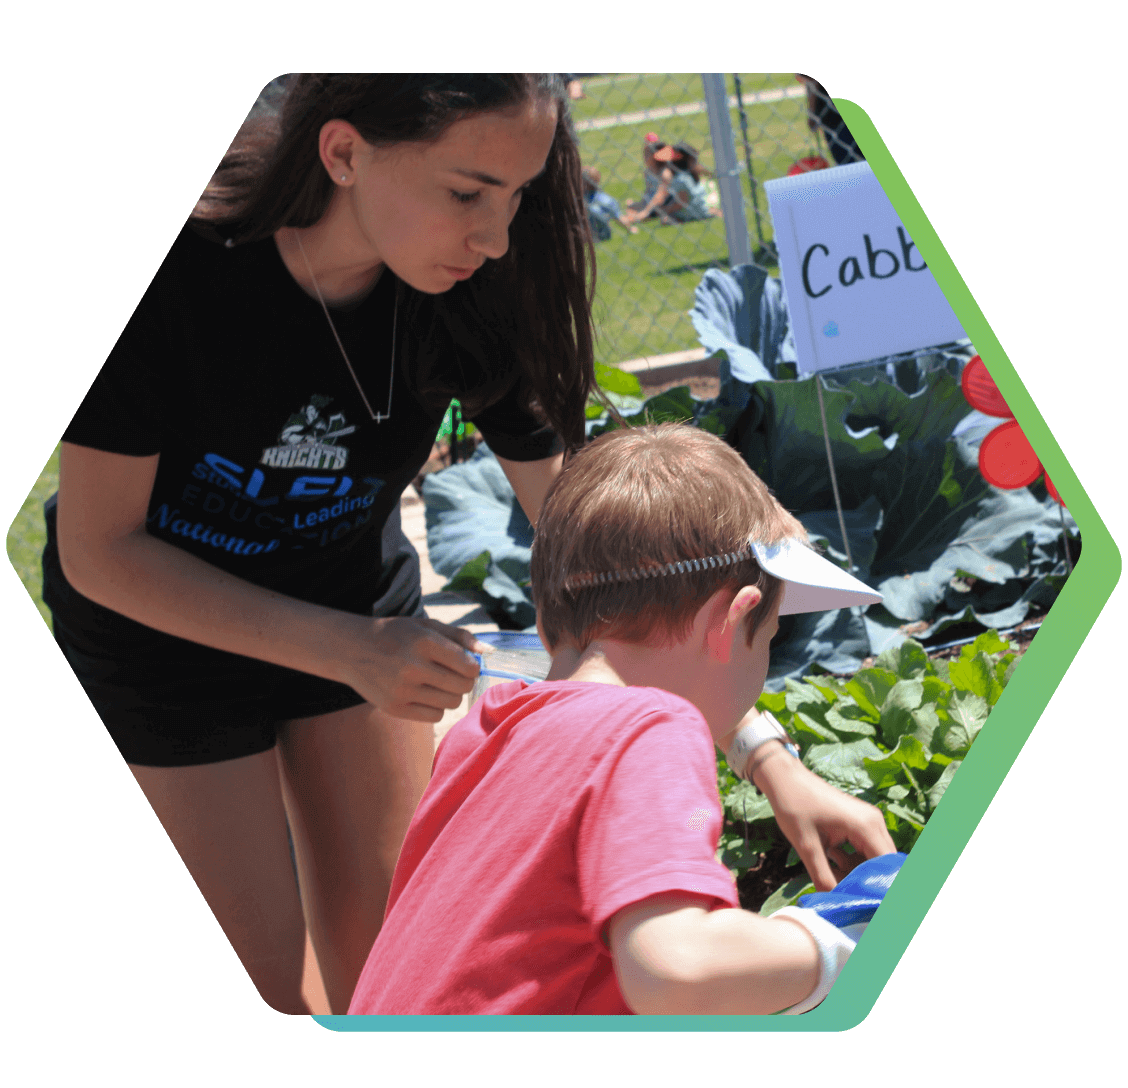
column 309, row 438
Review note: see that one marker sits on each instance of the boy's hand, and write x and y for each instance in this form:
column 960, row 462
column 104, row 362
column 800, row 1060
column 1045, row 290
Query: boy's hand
column 818, row 819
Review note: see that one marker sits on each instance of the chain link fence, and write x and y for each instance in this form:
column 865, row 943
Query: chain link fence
column 646, row 280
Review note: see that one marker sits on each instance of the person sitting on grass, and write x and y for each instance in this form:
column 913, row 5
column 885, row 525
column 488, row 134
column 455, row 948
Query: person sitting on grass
column 563, row 857
column 602, row 207
column 652, row 178
column 680, row 195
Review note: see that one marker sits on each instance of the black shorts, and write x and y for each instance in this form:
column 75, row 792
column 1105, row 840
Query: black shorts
column 168, row 702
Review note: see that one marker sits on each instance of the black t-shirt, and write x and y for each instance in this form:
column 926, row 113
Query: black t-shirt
column 271, row 467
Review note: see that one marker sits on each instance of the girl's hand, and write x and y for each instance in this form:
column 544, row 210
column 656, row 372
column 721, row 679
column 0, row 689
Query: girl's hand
column 410, row 668
column 414, row 668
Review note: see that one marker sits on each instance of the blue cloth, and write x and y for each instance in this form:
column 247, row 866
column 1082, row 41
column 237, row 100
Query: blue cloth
column 858, row 894
column 602, row 208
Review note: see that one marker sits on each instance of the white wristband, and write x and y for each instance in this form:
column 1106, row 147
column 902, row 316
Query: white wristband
column 748, row 738
column 834, row 950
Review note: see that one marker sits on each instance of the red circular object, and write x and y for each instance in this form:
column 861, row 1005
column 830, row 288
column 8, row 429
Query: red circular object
column 1006, row 459
column 805, row 166
column 1053, row 490
column 980, row 390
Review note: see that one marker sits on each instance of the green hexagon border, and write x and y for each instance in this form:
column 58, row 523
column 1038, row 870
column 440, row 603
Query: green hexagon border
column 997, row 746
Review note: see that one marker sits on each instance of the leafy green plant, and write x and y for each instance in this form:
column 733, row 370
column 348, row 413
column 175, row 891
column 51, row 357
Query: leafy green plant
column 893, row 735
column 447, row 429
column 480, row 538
column 625, row 392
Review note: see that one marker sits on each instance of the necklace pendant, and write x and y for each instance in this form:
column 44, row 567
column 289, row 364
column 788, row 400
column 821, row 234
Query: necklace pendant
column 377, row 417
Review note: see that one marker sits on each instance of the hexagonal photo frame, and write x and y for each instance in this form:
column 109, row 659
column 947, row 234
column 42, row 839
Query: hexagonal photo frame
column 996, row 747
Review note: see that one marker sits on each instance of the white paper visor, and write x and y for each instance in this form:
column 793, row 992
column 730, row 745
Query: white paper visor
column 811, row 583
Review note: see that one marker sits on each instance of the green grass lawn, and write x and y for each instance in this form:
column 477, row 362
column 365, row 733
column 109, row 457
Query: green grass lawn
column 28, row 534
column 646, row 282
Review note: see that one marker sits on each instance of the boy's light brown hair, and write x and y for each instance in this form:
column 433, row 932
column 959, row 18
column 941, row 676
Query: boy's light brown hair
column 642, row 497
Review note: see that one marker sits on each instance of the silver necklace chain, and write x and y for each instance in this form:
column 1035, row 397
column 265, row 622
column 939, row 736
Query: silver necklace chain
column 379, row 417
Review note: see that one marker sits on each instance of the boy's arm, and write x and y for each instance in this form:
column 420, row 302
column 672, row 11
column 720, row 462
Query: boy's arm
column 674, row 956
column 817, row 819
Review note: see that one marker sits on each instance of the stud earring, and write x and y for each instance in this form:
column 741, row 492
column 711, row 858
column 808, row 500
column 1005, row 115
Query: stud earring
column 344, row 177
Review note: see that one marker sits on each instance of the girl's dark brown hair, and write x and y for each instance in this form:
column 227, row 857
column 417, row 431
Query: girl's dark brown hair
column 644, row 497
column 687, row 160
column 532, row 305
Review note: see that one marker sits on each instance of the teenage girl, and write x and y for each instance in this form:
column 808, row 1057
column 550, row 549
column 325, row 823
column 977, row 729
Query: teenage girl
column 227, row 572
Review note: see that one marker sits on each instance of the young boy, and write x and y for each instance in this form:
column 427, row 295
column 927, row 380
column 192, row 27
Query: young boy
column 562, row 859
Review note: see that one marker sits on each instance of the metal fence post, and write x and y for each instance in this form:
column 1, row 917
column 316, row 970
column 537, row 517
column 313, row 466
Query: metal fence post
column 728, row 169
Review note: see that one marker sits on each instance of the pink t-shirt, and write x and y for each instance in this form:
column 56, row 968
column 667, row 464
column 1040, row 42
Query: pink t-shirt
column 551, row 808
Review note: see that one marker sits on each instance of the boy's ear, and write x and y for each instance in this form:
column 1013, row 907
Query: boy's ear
column 725, row 617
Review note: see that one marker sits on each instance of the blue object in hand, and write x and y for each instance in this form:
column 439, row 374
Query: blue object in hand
column 852, row 903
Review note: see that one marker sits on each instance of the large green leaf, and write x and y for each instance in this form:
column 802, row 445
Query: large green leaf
column 977, row 676
column 966, row 714
column 789, row 451
column 848, row 720
column 835, row 641
column 745, row 804
column 889, row 769
column 991, row 543
column 862, row 526
column 907, row 660
column 933, row 409
column 844, row 765
column 741, row 317
column 787, row 894
column 942, row 783
column 613, row 380
column 907, row 713
column 670, row 406
column 480, row 538
column 870, row 688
